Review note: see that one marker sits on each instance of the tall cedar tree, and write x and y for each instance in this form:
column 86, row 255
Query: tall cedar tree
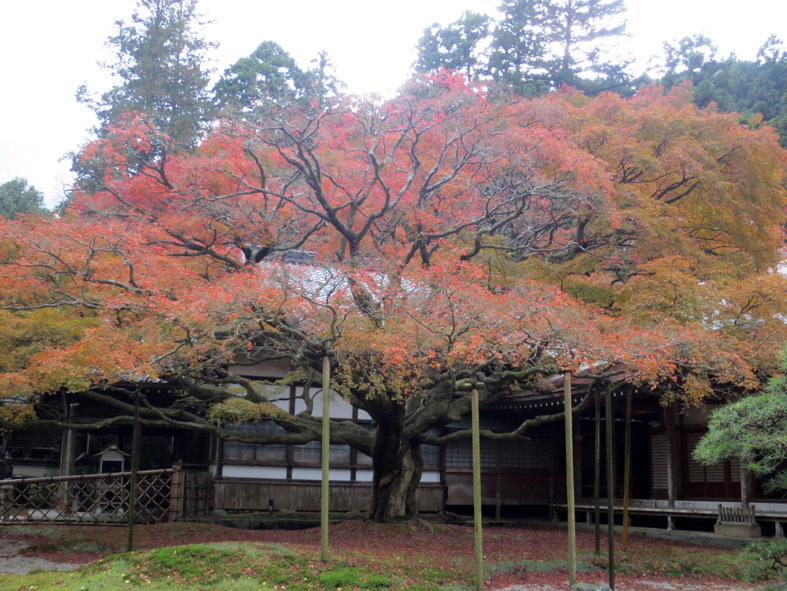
column 160, row 64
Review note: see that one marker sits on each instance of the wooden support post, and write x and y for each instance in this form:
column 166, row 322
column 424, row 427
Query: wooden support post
column 572, row 526
column 69, row 444
column 577, row 445
column 177, row 492
column 498, row 481
column 669, row 426
column 745, row 493
column 478, row 571
column 132, row 487
column 597, row 476
column 326, row 458
column 610, row 489
column 68, row 457
column 627, row 473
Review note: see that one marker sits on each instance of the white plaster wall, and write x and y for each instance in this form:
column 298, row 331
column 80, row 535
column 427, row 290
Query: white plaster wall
column 273, row 472
column 430, row 477
column 316, row 474
column 364, row 475
column 35, row 471
column 267, row 369
column 340, row 408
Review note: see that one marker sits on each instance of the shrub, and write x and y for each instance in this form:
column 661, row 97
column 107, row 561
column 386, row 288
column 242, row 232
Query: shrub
column 765, row 560
column 343, row 577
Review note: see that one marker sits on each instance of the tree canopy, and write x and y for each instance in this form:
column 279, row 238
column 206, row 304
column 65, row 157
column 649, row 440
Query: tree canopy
column 453, row 240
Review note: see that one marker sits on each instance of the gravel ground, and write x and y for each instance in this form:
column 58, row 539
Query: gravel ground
column 13, row 562
column 650, row 585
column 29, row 547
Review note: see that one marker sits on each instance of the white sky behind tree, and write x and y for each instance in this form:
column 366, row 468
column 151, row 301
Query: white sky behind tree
column 49, row 47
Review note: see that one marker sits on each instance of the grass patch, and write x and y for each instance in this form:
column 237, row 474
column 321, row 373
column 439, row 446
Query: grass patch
column 669, row 562
column 230, row 567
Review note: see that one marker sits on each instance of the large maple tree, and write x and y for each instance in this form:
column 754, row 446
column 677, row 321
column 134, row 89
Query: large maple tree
column 454, row 240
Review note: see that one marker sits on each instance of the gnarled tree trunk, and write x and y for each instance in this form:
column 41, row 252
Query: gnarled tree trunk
column 398, row 465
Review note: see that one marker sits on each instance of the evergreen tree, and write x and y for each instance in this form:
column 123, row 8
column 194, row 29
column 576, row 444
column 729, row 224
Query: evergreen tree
column 534, row 46
column 754, row 430
column 17, row 197
column 160, row 65
column 458, row 46
column 576, row 31
column 693, row 58
column 270, row 72
column 755, row 89
column 518, row 47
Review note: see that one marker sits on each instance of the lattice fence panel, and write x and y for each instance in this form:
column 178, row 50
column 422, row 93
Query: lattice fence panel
column 86, row 499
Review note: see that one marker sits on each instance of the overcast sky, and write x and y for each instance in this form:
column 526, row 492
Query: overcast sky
column 49, row 47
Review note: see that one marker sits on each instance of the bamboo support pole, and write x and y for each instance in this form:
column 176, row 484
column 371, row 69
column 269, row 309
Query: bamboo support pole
column 326, row 459
column 478, row 571
column 610, row 490
column 132, row 492
column 627, row 474
column 572, row 525
column 597, row 476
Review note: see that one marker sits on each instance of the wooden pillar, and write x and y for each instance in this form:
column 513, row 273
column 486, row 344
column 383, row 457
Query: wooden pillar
column 498, row 481
column 553, row 471
column 68, row 448
column 669, row 426
column 745, row 486
column 68, row 454
column 219, row 457
column 577, row 444
column 177, row 492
